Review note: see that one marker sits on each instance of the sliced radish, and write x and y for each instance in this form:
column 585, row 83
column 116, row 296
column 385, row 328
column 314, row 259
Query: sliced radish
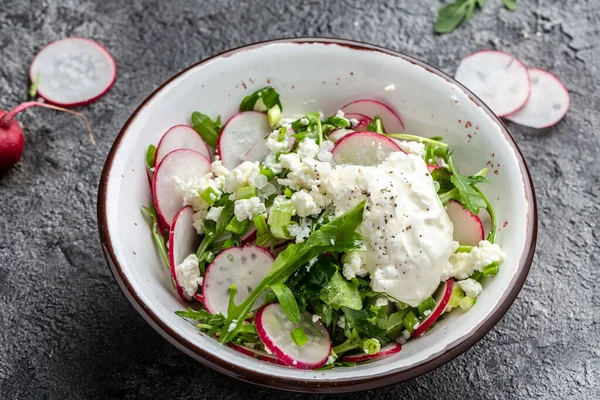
column 441, row 298
column 183, row 241
column 370, row 108
column 243, row 139
column 256, row 353
column 73, row 71
column 339, row 133
column 274, row 329
column 363, row 121
column 180, row 137
column 250, row 235
column 199, row 297
column 244, row 266
column 183, row 164
column 386, row 351
column 363, row 148
column 548, row 104
column 468, row 229
column 431, row 167
column 497, row 78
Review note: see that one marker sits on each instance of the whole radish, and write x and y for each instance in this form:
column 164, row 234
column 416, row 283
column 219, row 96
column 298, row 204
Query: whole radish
column 12, row 139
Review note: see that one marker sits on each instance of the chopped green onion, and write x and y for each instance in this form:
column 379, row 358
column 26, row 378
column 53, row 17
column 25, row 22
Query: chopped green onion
column 237, row 227
column 229, row 243
column 274, row 115
column 282, row 133
column 299, row 336
column 210, row 195
column 246, row 192
column 267, row 172
column 425, row 305
column 410, row 320
column 288, row 192
column 466, row 302
column 456, row 296
column 279, row 218
column 464, row 249
column 490, row 270
column 371, row 346
column 261, row 224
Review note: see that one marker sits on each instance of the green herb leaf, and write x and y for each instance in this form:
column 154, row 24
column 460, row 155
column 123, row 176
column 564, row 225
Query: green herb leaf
column 33, row 87
column 287, row 301
column 359, row 320
column 510, row 4
column 450, row 16
column 156, row 235
column 150, row 156
column 376, row 125
column 341, row 293
column 213, row 230
column 208, row 129
column 469, row 197
column 269, row 97
column 336, row 365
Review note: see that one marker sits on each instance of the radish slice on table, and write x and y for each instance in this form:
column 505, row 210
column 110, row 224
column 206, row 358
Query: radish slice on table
column 168, row 198
column 244, row 266
column 73, row 71
column 363, row 148
column 339, row 133
column 180, row 137
column 548, row 103
column 497, row 78
column 243, row 139
column 363, row 121
column 256, row 353
column 468, row 229
column 370, row 108
column 183, row 241
column 441, row 298
column 386, row 351
column 275, row 330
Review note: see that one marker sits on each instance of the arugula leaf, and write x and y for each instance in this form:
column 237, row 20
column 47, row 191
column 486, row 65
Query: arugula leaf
column 269, row 97
column 150, row 156
column 287, row 301
column 469, row 197
column 336, row 365
column 336, row 236
column 510, row 4
column 359, row 320
column 196, row 315
column 213, row 230
column 158, row 238
column 208, row 129
column 33, row 87
column 341, row 293
column 451, row 15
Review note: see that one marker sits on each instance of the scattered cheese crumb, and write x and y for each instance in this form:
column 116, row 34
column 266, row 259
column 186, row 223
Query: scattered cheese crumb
column 390, row 88
column 315, row 317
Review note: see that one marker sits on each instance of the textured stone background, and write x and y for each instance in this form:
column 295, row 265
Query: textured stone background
column 66, row 331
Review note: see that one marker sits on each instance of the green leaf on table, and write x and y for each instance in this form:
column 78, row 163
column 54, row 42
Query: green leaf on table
column 33, row 87
column 208, row 129
column 341, row 293
column 510, row 4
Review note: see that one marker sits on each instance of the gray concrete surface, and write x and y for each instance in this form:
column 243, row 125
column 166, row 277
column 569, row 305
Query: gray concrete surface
column 66, row 331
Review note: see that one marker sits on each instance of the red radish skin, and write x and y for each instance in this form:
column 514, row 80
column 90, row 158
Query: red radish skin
column 180, row 137
column 432, row 168
column 184, row 164
column 244, row 266
column 363, row 148
column 256, row 353
column 199, row 298
column 12, row 139
column 386, row 351
column 392, row 121
column 243, row 139
column 548, row 104
column 87, row 54
column 274, row 330
column 443, row 295
column 501, row 80
column 363, row 121
column 183, row 241
column 468, row 229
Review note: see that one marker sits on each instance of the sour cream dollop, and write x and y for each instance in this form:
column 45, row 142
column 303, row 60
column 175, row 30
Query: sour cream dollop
column 407, row 233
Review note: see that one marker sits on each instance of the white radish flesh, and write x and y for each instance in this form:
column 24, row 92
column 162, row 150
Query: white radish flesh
column 168, row 198
column 386, row 351
column 73, row 71
column 243, row 139
column 274, row 329
column 337, row 134
column 548, row 103
column 363, row 121
column 256, row 353
column 180, row 137
column 244, row 266
column 497, row 78
column 441, row 298
column 183, row 241
column 371, row 108
column 363, row 148
column 468, row 229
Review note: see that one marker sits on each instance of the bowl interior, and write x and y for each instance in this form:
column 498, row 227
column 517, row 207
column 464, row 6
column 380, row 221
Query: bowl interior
column 313, row 76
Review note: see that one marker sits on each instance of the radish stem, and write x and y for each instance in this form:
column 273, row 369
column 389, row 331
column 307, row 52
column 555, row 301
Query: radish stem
column 23, row 106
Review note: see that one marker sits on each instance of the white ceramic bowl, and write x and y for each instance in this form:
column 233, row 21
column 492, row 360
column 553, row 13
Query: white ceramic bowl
column 310, row 75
